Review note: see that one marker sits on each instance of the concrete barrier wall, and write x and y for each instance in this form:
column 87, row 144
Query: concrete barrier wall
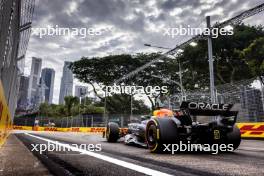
column 73, row 129
column 251, row 130
column 5, row 117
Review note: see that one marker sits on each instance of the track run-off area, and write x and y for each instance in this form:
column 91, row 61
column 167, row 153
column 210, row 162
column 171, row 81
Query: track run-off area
column 120, row 159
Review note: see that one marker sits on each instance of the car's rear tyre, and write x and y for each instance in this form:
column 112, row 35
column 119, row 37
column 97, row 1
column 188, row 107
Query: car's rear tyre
column 160, row 131
column 112, row 132
column 234, row 137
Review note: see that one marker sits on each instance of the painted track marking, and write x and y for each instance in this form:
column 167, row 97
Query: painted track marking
column 125, row 164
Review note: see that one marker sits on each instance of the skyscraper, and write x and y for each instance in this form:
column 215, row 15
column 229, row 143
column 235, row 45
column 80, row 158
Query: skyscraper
column 22, row 101
column 47, row 84
column 34, row 80
column 66, row 82
column 80, row 91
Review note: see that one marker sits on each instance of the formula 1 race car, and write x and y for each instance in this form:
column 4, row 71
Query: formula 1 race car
column 172, row 127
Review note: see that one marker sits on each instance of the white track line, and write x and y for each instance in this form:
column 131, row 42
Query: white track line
column 125, row 164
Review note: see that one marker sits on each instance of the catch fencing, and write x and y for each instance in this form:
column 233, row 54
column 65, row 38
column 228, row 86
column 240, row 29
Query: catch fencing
column 246, row 96
column 82, row 120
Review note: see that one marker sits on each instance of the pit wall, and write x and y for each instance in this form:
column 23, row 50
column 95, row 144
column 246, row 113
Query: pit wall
column 5, row 117
column 248, row 130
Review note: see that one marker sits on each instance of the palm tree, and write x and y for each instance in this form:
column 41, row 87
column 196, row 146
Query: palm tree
column 70, row 101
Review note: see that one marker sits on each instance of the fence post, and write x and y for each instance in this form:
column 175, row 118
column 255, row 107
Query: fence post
column 262, row 95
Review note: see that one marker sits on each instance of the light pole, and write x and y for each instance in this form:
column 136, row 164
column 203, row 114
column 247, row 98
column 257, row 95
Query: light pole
column 183, row 97
column 131, row 106
column 173, row 57
column 105, row 104
column 180, row 75
column 211, row 62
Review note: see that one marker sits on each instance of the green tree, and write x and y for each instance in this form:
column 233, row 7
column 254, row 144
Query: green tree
column 106, row 70
column 44, row 109
column 91, row 109
column 254, row 57
column 121, row 104
column 229, row 65
column 70, row 102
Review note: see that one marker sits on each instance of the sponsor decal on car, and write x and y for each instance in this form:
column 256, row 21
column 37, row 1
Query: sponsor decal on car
column 216, row 134
column 207, row 106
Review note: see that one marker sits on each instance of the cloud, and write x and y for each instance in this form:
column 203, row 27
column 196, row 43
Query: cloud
column 131, row 22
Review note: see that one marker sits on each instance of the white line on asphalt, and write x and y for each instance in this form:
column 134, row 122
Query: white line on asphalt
column 125, row 164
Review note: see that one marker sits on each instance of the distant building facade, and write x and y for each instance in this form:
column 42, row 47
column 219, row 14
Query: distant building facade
column 22, row 102
column 80, row 91
column 66, row 82
column 47, row 85
column 34, row 80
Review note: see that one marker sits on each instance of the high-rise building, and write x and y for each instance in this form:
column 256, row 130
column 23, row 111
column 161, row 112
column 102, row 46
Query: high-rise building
column 34, row 80
column 47, row 84
column 22, row 102
column 80, row 91
column 66, row 82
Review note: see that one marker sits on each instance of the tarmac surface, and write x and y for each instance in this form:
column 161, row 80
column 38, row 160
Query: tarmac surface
column 16, row 159
column 120, row 159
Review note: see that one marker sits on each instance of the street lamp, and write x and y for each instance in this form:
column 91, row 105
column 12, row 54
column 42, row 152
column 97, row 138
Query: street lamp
column 154, row 46
column 229, row 27
column 193, row 44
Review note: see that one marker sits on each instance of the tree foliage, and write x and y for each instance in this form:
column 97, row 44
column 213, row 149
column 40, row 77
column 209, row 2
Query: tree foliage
column 234, row 59
column 70, row 101
column 72, row 107
column 121, row 104
column 254, row 57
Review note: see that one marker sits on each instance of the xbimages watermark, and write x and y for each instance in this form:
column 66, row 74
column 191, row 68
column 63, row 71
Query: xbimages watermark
column 124, row 89
column 50, row 147
column 188, row 30
column 183, row 147
column 56, row 30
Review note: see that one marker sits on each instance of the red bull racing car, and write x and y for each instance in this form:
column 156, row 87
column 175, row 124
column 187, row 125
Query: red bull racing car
column 172, row 127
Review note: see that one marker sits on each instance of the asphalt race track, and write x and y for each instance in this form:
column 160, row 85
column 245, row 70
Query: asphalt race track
column 120, row 159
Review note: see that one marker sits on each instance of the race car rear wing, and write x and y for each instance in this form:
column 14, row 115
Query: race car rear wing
column 206, row 109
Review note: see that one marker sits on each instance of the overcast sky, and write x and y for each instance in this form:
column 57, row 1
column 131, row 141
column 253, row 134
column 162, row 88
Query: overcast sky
column 126, row 25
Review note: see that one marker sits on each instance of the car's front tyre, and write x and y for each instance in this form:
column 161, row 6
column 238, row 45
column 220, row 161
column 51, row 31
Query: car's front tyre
column 112, row 132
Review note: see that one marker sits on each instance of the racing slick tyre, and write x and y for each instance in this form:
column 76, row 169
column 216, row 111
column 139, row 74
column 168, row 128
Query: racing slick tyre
column 112, row 132
column 234, row 137
column 160, row 131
